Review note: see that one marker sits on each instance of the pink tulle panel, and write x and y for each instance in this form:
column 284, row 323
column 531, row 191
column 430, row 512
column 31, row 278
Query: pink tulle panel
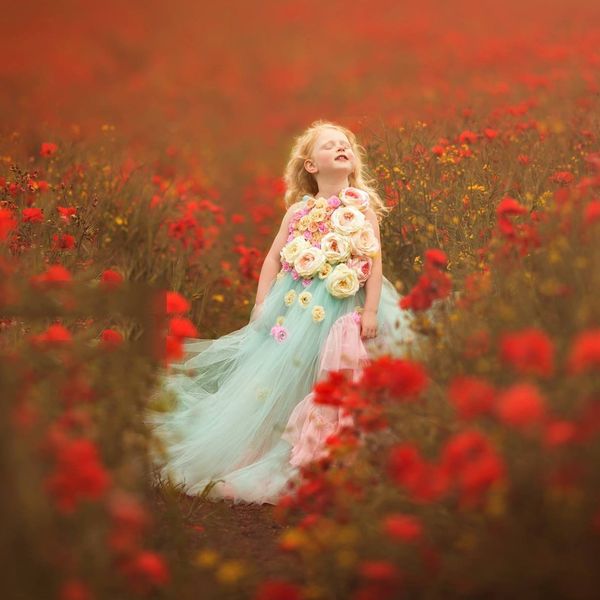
column 311, row 424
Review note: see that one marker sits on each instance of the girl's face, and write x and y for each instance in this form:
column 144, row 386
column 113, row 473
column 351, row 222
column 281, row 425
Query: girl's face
column 332, row 152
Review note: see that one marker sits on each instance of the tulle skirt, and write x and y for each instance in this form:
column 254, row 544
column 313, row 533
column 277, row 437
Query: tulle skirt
column 242, row 417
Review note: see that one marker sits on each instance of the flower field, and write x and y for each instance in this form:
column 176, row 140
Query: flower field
column 141, row 153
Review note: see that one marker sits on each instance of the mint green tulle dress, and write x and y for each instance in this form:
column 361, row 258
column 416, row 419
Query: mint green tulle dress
column 243, row 419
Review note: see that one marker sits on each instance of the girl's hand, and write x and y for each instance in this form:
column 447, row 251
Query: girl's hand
column 368, row 320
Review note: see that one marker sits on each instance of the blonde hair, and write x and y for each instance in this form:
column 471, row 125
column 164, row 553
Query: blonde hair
column 300, row 182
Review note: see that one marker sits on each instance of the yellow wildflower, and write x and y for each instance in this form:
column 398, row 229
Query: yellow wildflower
column 231, row 571
column 206, row 558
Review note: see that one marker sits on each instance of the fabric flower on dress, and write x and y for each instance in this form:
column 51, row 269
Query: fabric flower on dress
column 316, row 215
column 280, row 319
column 279, row 333
column 347, row 219
column 351, row 196
column 309, row 261
column 304, row 298
column 342, row 282
column 325, row 270
column 362, row 266
column 290, row 297
column 336, row 247
column 303, row 223
column 364, row 242
column 318, row 313
column 291, row 250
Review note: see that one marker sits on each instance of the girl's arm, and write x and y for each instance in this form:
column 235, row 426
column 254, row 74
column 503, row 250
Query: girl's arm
column 272, row 263
column 373, row 283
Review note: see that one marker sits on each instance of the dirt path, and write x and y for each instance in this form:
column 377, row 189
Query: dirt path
column 245, row 532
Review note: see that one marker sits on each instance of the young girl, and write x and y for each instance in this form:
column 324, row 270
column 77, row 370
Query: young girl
column 244, row 420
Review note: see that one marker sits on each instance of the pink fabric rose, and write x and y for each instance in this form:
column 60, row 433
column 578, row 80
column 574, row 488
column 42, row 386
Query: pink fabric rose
column 362, row 266
column 279, row 333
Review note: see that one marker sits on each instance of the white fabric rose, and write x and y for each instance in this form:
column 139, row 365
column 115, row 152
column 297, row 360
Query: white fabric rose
column 356, row 197
column 309, row 261
column 347, row 219
column 336, row 247
column 364, row 242
column 342, row 282
column 290, row 251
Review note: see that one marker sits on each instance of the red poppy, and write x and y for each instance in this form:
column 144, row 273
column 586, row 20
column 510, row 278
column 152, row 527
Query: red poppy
column 54, row 275
column 529, row 351
column 584, row 355
column 591, row 212
column 467, row 137
column 74, row 589
column 78, row 474
column 111, row 338
column 379, row 570
column 180, row 327
column 176, row 303
column 64, row 242
column 436, row 258
column 471, row 396
column 405, row 528
column 522, row 405
column 277, row 590
column 562, row 177
column 32, row 215
column 48, row 149
column 111, row 279
column 146, row 570
column 7, row 223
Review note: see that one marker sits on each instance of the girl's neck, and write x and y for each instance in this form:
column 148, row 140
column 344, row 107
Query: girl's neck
column 326, row 190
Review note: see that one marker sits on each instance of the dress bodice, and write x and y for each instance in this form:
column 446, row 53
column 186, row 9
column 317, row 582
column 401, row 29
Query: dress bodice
column 331, row 238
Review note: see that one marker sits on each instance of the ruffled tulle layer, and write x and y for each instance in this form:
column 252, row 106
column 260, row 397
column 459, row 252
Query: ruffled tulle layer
column 243, row 415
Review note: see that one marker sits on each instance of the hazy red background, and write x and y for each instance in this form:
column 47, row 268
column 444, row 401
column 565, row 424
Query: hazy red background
column 233, row 82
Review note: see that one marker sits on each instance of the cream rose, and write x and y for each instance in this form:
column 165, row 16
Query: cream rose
column 290, row 251
column 290, row 297
column 342, row 282
column 304, row 298
column 336, row 247
column 318, row 313
column 303, row 223
column 364, row 242
column 347, row 219
column 362, row 266
column 356, row 197
column 316, row 215
column 309, row 261
column 325, row 270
